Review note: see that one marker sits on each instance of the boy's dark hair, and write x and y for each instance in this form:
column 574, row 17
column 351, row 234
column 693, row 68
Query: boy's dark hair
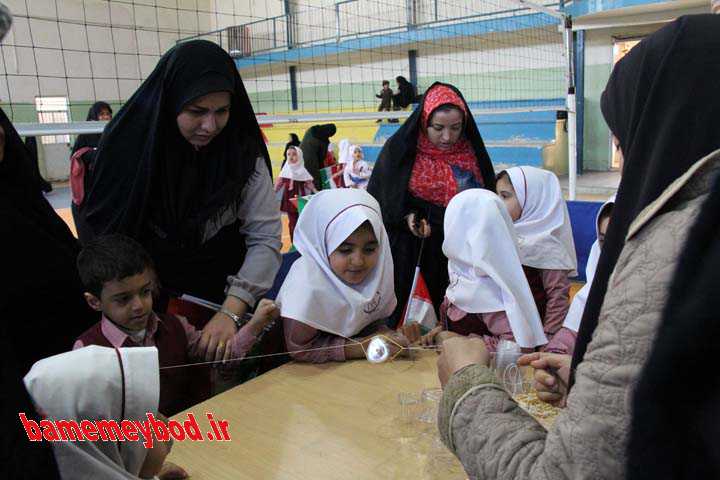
column 606, row 212
column 111, row 257
column 386, row 82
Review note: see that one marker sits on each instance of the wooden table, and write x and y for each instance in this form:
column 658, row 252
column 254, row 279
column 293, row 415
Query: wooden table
column 331, row 421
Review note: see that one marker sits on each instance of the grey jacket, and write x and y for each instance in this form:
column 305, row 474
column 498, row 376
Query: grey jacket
column 495, row 439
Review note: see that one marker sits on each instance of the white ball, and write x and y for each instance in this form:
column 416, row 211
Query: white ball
column 378, row 350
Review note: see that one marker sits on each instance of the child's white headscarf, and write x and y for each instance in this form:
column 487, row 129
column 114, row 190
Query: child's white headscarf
column 296, row 172
column 344, row 151
column 577, row 306
column 356, row 172
column 312, row 293
column 87, row 384
column 484, row 265
column 543, row 229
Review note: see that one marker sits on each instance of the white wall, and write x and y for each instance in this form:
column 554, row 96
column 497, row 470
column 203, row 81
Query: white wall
column 88, row 50
column 102, row 49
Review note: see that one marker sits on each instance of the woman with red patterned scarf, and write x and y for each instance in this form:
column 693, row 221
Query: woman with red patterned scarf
column 437, row 153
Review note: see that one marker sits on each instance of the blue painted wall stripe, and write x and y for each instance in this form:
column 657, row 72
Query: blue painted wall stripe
column 426, row 34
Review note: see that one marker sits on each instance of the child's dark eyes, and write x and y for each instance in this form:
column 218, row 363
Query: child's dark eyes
column 370, row 249
column 122, row 300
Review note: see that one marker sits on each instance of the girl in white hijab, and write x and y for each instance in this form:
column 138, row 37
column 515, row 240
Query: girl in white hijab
column 357, row 172
column 488, row 293
column 97, row 383
column 294, row 181
column 564, row 340
column 342, row 285
column 534, row 200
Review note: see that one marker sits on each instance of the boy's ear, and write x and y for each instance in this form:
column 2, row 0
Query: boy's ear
column 93, row 301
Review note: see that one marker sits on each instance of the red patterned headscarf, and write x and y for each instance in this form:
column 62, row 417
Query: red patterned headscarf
column 432, row 177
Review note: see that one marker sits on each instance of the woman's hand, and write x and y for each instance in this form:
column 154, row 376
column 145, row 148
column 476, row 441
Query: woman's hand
column 420, row 229
column 552, row 374
column 215, row 343
column 457, row 353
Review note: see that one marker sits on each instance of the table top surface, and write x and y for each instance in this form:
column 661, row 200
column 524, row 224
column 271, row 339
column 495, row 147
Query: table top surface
column 334, row 421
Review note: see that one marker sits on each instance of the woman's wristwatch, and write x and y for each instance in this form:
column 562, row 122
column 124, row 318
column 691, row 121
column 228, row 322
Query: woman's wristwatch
column 239, row 321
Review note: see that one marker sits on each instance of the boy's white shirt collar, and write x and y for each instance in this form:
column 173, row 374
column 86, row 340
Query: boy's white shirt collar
column 312, row 293
column 484, row 265
column 544, row 230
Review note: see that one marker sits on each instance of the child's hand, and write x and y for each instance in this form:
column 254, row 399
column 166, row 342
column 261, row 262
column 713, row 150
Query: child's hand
column 398, row 342
column 266, row 312
column 552, row 374
column 428, row 340
column 170, row 471
column 444, row 335
column 411, row 332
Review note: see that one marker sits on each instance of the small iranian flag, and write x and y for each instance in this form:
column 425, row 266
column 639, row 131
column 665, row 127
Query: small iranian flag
column 300, row 202
column 331, row 176
column 419, row 308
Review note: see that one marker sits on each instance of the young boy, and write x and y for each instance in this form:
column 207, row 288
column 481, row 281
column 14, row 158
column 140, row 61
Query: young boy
column 385, row 97
column 120, row 280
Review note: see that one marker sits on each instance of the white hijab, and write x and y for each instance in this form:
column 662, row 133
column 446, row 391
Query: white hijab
column 87, row 384
column 296, row 172
column 355, row 169
column 577, row 306
column 344, row 147
column 312, row 293
column 484, row 265
column 543, row 229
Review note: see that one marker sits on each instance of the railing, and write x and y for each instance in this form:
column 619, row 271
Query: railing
column 347, row 19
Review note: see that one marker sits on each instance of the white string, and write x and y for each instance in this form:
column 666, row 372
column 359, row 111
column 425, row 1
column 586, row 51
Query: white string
column 252, row 357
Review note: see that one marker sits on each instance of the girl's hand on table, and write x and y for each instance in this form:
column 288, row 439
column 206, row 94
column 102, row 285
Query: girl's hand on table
column 411, row 332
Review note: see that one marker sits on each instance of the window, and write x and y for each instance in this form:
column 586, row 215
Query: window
column 53, row 110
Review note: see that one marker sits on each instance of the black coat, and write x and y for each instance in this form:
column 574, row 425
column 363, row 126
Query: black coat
column 389, row 185
column 660, row 102
column 314, row 146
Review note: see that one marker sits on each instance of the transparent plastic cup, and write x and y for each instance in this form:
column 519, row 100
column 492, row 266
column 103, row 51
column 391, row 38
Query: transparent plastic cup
column 410, row 406
column 430, row 399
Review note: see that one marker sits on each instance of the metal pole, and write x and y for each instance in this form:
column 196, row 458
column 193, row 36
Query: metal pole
column 337, row 22
column 572, row 111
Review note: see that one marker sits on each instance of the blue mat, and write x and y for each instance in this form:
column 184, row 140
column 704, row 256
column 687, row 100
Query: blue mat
column 582, row 218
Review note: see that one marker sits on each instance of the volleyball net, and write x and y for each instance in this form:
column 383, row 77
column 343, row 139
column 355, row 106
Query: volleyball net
column 300, row 60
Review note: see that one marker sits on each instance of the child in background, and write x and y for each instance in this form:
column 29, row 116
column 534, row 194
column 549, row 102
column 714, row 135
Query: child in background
column 342, row 285
column 120, row 279
column 294, row 181
column 488, row 293
column 330, row 156
column 534, row 200
column 385, row 96
column 564, row 340
column 293, row 141
column 357, row 172
column 97, row 383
